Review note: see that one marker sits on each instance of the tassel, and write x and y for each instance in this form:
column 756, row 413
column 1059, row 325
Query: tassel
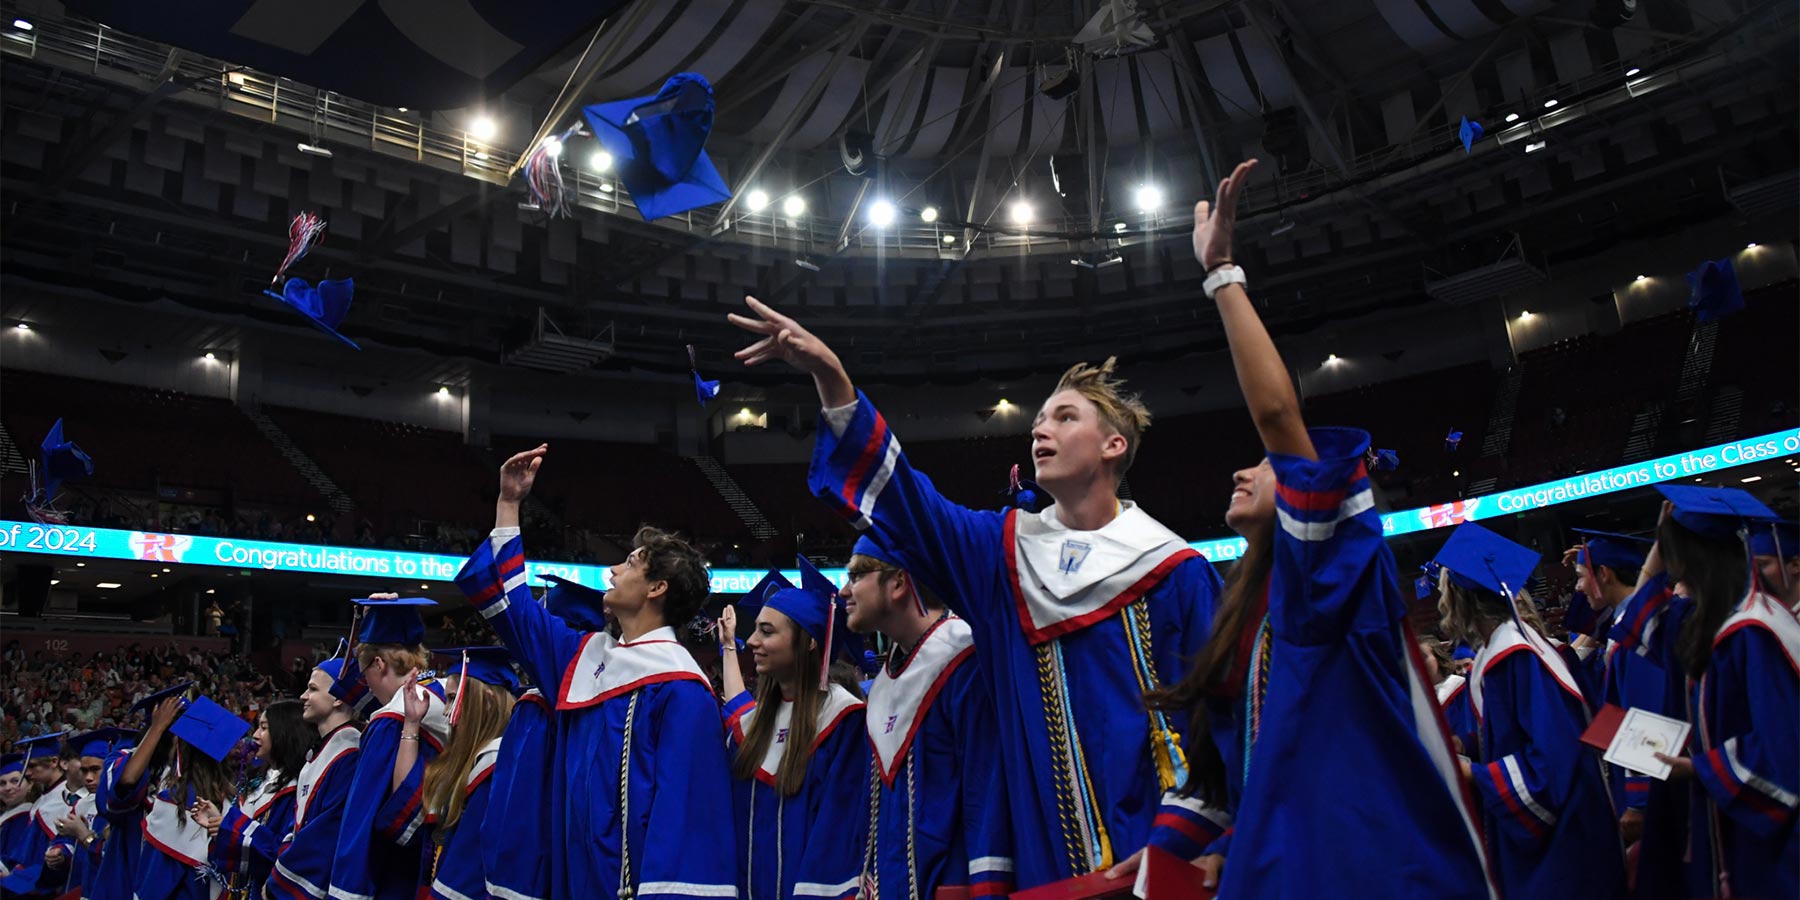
column 303, row 232
column 825, row 661
column 462, row 682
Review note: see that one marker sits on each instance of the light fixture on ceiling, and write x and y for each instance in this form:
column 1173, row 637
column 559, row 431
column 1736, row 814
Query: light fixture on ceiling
column 402, row 109
column 807, row 263
column 23, row 24
column 210, row 356
column 1632, row 72
column 1524, row 315
column 794, row 205
column 1550, row 103
column 1149, row 198
column 881, row 214
column 108, row 585
column 606, row 187
column 1282, row 227
column 1750, row 480
column 1512, row 117
column 483, row 128
column 443, row 390
column 757, row 200
column 1535, row 146
column 949, row 238
column 928, row 215
column 1020, row 212
column 313, row 149
column 1750, row 246
column 601, row 160
column 23, row 326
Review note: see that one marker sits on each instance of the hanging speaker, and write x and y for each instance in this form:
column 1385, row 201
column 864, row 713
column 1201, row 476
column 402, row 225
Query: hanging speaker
column 857, row 148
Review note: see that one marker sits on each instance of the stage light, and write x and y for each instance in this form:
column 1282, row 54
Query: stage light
column 553, row 146
column 482, row 128
column 1525, row 315
column 1331, row 359
column 1643, row 278
column 949, row 238
column 881, row 214
column 745, row 412
column 210, row 356
column 108, row 585
column 757, row 200
column 928, row 214
column 1550, row 103
column 313, row 150
column 23, row 25
column 311, row 518
column 1004, row 404
column 1632, row 72
column 1750, row 246
column 1455, row 473
column 794, row 205
column 1512, row 117
column 23, row 326
column 443, row 390
column 1021, row 212
column 1149, row 198
column 601, row 160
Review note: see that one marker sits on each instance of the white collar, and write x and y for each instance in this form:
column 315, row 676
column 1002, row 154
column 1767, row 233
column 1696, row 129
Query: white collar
column 436, row 725
column 1760, row 609
column 342, row 741
column 898, row 704
column 1066, row 580
column 605, row 668
column 1509, row 637
column 837, row 704
column 1449, row 686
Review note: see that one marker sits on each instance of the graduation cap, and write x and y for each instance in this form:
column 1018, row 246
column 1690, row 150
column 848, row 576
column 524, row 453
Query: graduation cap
column 1479, row 559
column 1385, row 460
column 324, row 305
column 1717, row 513
column 1713, row 290
column 492, row 665
column 12, row 763
column 703, row 389
column 60, row 460
column 814, row 607
column 1025, row 493
column 391, row 621
column 150, row 702
column 1452, row 441
column 210, row 728
column 1462, row 651
column 39, row 746
column 1780, row 540
column 1470, row 132
column 581, row 606
column 658, row 144
column 101, row 742
column 1614, row 551
column 866, row 545
column 347, row 682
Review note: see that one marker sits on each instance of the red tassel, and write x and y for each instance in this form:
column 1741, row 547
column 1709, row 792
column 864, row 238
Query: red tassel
column 462, row 682
column 303, row 232
column 830, row 626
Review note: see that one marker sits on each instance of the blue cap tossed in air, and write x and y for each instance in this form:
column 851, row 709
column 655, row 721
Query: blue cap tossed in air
column 60, row 460
column 1713, row 290
column 658, row 145
column 1469, row 132
column 324, row 305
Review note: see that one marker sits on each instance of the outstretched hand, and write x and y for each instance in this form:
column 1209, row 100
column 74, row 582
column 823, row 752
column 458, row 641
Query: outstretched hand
column 416, row 704
column 786, row 340
column 1214, row 221
column 519, row 473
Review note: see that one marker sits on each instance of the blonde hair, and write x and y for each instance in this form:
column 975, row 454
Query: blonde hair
column 1473, row 615
column 1122, row 411
column 400, row 658
column 482, row 717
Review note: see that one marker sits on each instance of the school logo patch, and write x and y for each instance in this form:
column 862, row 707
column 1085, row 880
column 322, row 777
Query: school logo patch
column 600, row 668
column 890, row 725
column 1074, row 553
column 781, row 736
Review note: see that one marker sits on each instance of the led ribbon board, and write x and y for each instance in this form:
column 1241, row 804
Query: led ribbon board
column 385, row 566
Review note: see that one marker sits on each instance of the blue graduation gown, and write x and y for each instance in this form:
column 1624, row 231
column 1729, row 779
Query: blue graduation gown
column 515, row 832
column 939, row 821
column 810, row 844
column 303, row 865
column 1661, row 872
column 1068, row 675
column 649, row 690
column 451, row 866
column 1747, row 770
column 81, row 861
column 1550, row 826
column 120, row 818
column 31, row 876
column 370, row 861
column 1459, row 712
column 15, row 828
column 1350, row 768
column 251, row 832
column 171, row 864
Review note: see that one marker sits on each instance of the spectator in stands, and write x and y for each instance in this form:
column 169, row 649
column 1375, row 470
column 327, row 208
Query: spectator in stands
column 215, row 617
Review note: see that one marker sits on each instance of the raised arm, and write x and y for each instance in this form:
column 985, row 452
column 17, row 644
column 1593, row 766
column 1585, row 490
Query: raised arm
column 1261, row 374
column 160, row 719
column 784, row 339
column 731, row 674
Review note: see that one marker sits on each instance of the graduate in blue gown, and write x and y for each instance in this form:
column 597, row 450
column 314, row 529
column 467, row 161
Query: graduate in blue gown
column 247, row 835
column 1739, row 647
column 937, row 819
column 1347, row 773
column 800, row 758
column 515, row 843
column 1452, row 692
column 179, row 763
column 79, row 841
column 1078, row 608
column 639, row 759
column 1551, row 829
column 57, row 763
column 302, row 869
column 442, row 804
column 370, row 859
column 15, row 809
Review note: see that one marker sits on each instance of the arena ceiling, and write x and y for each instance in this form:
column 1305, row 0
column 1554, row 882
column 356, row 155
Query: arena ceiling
column 164, row 165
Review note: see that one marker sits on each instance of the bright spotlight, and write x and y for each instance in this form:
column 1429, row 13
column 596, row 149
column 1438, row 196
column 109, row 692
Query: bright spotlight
column 553, row 146
column 928, row 214
column 482, row 128
column 601, row 160
column 210, row 356
column 1149, row 197
column 1512, row 117
column 881, row 214
column 794, row 205
column 1550, row 103
column 1021, row 212
column 757, row 200
column 1632, row 72
column 443, row 391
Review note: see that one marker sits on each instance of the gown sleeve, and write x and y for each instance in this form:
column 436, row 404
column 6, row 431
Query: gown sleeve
column 403, row 812
column 246, row 846
column 1330, row 562
column 1753, row 776
column 494, row 581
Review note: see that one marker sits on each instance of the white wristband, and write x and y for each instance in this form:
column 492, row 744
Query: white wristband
column 1222, row 276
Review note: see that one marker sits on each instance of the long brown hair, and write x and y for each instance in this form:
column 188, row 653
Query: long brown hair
column 1717, row 577
column 210, row 779
column 1212, row 670
column 1473, row 615
column 484, row 712
column 790, row 775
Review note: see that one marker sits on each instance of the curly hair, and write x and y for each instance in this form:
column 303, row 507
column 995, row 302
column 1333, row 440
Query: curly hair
column 671, row 559
column 1122, row 411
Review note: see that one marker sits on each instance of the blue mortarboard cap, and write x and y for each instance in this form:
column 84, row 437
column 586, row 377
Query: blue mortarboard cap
column 1025, row 493
column 581, row 606
column 705, row 389
column 1777, row 539
column 868, row 546
column 210, row 728
column 1470, row 132
column 1713, row 290
column 149, row 703
column 395, row 621
column 1714, row 512
column 1479, row 558
column 11, row 763
column 40, row 746
column 1452, row 440
column 1426, row 585
column 325, row 305
column 1387, row 460
column 770, row 583
column 659, row 146
column 61, row 460
column 1615, row 551
column 490, row 664
column 347, row 683
column 1462, row 651
column 102, row 741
